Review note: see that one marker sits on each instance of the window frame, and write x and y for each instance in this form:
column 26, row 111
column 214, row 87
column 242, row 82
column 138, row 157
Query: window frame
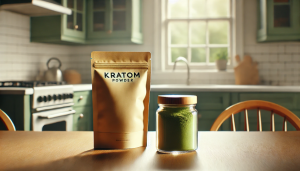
column 166, row 64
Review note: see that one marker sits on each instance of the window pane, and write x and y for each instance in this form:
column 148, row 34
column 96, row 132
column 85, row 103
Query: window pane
column 119, row 20
column 98, row 5
column 214, row 52
column 70, row 21
column 178, row 8
column 79, row 5
column 176, row 52
column 198, row 32
column 218, row 8
column 70, row 4
column 218, row 32
column 198, row 55
column 198, row 9
column 79, row 22
column 282, row 16
column 119, row 4
column 179, row 32
column 280, row 1
column 99, row 20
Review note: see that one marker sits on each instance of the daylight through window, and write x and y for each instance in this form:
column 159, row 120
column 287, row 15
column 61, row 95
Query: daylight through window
column 198, row 30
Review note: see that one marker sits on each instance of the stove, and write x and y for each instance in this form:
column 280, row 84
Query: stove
column 29, row 83
column 51, row 102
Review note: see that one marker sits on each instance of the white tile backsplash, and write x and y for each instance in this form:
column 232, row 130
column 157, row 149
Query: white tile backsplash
column 279, row 62
column 19, row 58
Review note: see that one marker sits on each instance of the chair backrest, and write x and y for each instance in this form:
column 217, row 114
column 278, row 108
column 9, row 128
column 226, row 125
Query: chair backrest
column 8, row 123
column 259, row 105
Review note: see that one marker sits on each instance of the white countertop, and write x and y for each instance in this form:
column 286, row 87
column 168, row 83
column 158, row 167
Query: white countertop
column 209, row 88
column 177, row 88
column 224, row 88
column 82, row 87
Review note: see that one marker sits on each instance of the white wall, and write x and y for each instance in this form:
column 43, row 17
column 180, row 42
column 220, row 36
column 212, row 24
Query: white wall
column 19, row 58
column 279, row 63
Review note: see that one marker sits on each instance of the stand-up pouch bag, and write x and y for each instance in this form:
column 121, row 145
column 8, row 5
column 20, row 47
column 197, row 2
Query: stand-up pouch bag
column 121, row 90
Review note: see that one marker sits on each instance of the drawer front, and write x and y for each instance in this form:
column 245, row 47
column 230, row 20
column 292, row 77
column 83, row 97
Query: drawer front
column 213, row 101
column 287, row 100
column 83, row 119
column 82, row 98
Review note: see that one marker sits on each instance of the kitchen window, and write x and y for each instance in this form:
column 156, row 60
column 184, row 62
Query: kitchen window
column 197, row 30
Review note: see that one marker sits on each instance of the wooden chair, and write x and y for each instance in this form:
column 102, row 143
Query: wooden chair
column 259, row 105
column 8, row 123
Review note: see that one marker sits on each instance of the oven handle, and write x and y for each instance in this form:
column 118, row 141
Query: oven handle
column 57, row 114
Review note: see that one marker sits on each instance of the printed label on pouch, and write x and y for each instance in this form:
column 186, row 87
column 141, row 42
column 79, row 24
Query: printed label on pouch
column 121, row 76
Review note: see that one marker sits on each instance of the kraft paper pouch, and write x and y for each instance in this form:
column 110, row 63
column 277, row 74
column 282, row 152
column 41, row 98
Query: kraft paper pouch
column 121, row 90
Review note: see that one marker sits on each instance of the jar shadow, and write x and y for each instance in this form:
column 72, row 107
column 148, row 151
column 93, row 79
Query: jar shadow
column 181, row 161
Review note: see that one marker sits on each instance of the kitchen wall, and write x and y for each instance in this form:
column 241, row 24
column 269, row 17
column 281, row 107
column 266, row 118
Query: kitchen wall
column 19, row 58
column 279, row 63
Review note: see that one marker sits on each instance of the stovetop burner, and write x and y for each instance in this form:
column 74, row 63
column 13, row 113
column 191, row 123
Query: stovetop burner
column 29, row 84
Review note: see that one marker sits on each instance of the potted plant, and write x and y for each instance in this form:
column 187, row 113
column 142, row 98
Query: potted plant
column 221, row 60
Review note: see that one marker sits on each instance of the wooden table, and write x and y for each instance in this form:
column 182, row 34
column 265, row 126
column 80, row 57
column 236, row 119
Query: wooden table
column 217, row 151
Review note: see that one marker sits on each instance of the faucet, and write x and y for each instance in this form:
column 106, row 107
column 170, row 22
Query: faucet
column 188, row 68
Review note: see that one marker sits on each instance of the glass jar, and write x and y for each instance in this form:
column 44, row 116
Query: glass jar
column 176, row 124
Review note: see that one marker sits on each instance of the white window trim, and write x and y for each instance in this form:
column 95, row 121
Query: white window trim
column 237, row 41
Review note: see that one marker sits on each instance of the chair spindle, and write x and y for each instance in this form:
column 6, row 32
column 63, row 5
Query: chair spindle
column 284, row 127
column 246, row 128
column 272, row 122
column 232, row 123
column 259, row 120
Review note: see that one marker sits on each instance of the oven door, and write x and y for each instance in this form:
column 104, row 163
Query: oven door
column 52, row 118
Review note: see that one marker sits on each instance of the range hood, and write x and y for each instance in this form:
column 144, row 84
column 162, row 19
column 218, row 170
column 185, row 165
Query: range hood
column 34, row 7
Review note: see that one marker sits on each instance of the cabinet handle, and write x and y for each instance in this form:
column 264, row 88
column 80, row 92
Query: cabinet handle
column 81, row 116
column 199, row 116
column 76, row 27
column 80, row 97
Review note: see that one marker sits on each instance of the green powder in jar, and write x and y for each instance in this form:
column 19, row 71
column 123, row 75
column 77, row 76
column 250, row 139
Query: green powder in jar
column 177, row 129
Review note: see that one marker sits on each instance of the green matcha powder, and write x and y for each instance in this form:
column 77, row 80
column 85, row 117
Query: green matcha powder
column 177, row 129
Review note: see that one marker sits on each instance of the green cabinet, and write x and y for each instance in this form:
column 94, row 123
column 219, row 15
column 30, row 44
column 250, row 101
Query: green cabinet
column 91, row 22
column 211, row 104
column 61, row 29
column 114, row 22
column 209, row 107
column 83, row 118
column 290, row 101
column 278, row 20
column 17, row 107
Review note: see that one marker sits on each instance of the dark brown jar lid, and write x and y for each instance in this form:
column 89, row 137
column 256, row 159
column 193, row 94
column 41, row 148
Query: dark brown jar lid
column 177, row 99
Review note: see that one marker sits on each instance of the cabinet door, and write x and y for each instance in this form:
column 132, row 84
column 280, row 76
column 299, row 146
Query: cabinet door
column 113, row 21
column 206, row 118
column 73, row 26
column 82, row 98
column 283, row 17
column 278, row 20
column 265, row 120
column 82, row 119
column 287, row 100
